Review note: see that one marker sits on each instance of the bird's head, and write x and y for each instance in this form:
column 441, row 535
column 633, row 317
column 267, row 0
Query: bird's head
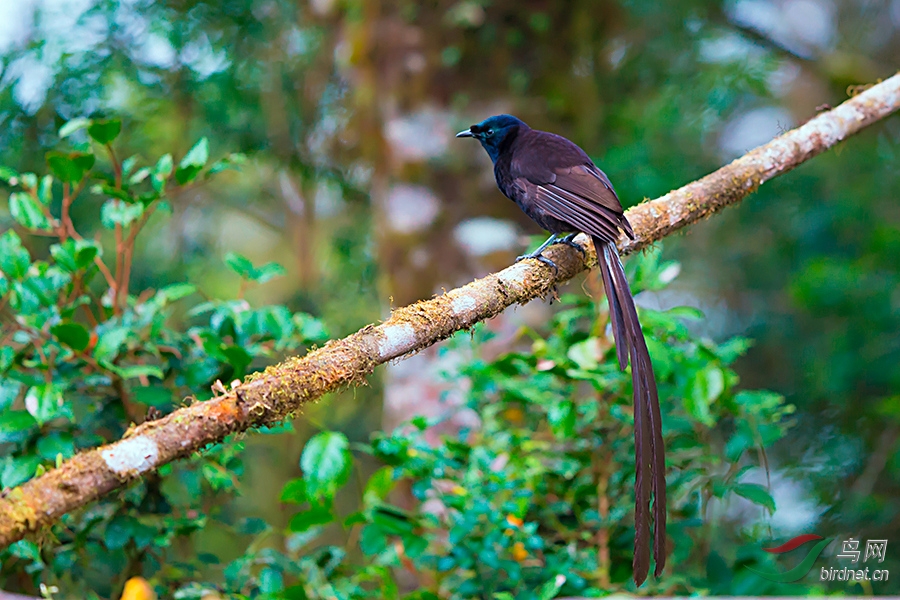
column 494, row 132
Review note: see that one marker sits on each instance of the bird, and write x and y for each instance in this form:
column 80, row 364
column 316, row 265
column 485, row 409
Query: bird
column 561, row 189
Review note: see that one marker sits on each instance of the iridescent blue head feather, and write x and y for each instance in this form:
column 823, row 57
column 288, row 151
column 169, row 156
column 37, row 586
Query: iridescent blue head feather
column 494, row 132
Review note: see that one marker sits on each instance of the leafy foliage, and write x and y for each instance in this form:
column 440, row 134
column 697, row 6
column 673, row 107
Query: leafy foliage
column 536, row 501
column 83, row 355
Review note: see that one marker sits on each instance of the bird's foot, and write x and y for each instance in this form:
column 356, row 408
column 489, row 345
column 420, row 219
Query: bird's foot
column 568, row 242
column 540, row 258
column 554, row 294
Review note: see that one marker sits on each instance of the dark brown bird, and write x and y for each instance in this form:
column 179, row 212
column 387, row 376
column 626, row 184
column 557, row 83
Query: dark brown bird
column 559, row 187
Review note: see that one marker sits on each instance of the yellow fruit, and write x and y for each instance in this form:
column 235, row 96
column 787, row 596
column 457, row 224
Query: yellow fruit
column 137, row 588
column 519, row 552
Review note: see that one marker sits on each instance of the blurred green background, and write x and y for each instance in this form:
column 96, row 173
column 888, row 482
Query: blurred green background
column 347, row 110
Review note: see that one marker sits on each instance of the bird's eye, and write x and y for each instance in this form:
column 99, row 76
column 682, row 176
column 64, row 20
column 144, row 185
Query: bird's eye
column 489, row 133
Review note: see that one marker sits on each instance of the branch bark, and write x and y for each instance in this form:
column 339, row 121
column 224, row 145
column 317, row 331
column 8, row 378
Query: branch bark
column 275, row 394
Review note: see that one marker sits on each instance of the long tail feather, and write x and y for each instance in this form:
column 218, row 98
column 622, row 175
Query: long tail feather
column 650, row 462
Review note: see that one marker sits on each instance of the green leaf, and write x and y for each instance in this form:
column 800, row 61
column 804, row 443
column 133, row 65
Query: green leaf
column 7, row 354
column 45, row 187
column 16, row 426
column 267, row 272
column 8, row 175
column 562, row 419
column 74, row 255
column 294, row 592
column 294, row 491
column 9, row 392
column 325, row 463
column 74, row 335
column 718, row 573
column 17, row 470
column 27, row 212
column 243, row 267
column 585, row 353
column 238, row 358
column 105, row 131
column 163, row 167
column 730, row 350
column 154, row 396
column 14, row 258
column 737, row 444
column 703, row 389
column 192, row 162
column 252, row 526
column 44, row 402
column 756, row 401
column 112, row 191
column 119, row 531
column 176, row 291
column 356, row 518
column 85, row 253
column 662, row 353
column 317, row 515
column 427, row 595
column 84, row 160
column 239, row 264
column 688, row 313
column 134, row 371
column 116, row 212
column 72, row 126
column 311, row 329
column 139, row 175
column 27, row 550
column 379, row 486
column 392, row 520
column 55, row 443
column 270, row 581
column 196, row 156
column 109, row 342
column 755, row 493
column 128, row 165
column 372, row 540
column 550, row 589
column 64, row 167
column 29, row 180
column 232, row 161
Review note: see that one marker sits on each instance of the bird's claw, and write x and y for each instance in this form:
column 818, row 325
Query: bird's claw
column 568, row 242
column 540, row 258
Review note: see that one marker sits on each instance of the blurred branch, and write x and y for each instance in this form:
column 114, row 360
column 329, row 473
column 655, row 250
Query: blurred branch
column 884, row 449
column 278, row 392
column 769, row 43
column 11, row 596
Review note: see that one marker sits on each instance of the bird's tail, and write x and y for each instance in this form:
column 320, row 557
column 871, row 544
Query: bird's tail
column 650, row 462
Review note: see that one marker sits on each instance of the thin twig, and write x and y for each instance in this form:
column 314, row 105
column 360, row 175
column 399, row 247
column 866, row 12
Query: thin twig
column 120, row 268
column 66, row 205
column 129, row 250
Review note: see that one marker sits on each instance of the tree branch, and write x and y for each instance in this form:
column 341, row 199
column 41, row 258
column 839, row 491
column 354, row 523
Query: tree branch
column 11, row 596
column 275, row 394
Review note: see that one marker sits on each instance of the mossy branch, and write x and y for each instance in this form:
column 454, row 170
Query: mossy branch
column 270, row 396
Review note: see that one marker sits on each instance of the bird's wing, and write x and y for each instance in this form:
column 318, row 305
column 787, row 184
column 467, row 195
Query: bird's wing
column 590, row 182
column 580, row 195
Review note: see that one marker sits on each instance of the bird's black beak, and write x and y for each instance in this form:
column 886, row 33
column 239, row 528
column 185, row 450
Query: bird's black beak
column 465, row 133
